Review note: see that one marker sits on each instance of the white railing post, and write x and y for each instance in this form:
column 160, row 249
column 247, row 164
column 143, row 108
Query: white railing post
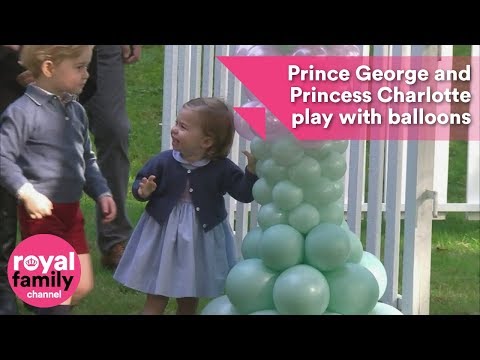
column 473, row 173
column 418, row 219
column 170, row 84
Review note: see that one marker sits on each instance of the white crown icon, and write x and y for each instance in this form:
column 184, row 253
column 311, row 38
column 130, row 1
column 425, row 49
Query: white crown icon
column 31, row 262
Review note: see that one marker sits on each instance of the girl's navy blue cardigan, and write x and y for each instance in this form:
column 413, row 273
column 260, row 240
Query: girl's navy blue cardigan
column 207, row 185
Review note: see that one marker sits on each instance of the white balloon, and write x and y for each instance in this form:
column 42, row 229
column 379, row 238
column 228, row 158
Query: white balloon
column 375, row 266
column 242, row 50
column 384, row 309
column 310, row 50
column 220, row 306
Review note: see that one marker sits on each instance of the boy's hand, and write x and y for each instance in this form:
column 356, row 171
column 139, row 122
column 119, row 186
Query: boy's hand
column 252, row 162
column 36, row 204
column 147, row 186
column 108, row 207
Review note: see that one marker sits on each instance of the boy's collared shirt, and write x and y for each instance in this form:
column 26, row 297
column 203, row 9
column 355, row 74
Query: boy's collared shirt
column 44, row 140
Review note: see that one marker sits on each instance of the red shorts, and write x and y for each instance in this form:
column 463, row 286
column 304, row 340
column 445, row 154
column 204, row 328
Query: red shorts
column 66, row 222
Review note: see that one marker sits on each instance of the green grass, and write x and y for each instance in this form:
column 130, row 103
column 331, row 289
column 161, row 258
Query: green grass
column 455, row 283
column 455, row 265
column 455, row 262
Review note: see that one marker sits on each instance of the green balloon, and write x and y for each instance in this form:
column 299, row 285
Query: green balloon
column 384, row 309
column 286, row 151
column 219, row 306
column 332, row 213
column 323, row 192
column 312, row 144
column 260, row 148
column 304, row 217
column 345, row 225
column 319, row 152
column 262, row 192
column 265, row 312
column 305, row 172
column 301, row 290
column 339, row 146
column 334, row 166
column 286, row 195
column 258, row 167
column 250, row 243
column 269, row 215
column 375, row 266
column 281, row 247
column 327, row 247
column 326, row 147
column 353, row 290
column 273, row 172
column 356, row 252
column 249, row 286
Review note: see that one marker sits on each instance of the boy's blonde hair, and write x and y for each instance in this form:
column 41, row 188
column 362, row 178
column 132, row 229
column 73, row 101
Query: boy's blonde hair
column 33, row 56
column 216, row 121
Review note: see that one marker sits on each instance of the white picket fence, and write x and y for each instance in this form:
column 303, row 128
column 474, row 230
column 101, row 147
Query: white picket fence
column 415, row 188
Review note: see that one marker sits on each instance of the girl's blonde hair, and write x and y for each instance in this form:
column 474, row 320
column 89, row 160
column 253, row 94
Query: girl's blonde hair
column 33, row 56
column 216, row 121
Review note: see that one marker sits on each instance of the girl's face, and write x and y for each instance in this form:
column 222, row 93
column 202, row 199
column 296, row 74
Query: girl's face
column 70, row 75
column 188, row 137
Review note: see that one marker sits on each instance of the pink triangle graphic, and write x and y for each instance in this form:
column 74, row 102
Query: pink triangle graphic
column 255, row 117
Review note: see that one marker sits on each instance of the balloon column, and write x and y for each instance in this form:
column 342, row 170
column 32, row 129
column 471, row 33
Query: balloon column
column 301, row 258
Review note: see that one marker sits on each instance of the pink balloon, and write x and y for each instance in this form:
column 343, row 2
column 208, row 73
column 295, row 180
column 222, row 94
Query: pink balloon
column 274, row 128
column 242, row 127
column 263, row 50
column 249, row 94
column 310, row 50
column 344, row 50
column 252, row 104
column 258, row 50
column 242, row 50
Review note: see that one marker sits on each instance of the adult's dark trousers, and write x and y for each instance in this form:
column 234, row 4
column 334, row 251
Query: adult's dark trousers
column 10, row 90
column 8, row 236
column 110, row 128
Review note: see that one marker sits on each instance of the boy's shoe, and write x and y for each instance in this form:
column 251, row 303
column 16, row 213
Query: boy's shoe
column 112, row 258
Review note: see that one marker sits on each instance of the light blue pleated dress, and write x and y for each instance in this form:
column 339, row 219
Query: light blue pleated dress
column 178, row 258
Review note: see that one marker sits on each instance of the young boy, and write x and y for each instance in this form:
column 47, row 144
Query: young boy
column 46, row 159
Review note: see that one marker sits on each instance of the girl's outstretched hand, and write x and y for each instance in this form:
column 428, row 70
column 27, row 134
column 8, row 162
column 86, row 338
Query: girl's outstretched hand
column 147, row 186
column 252, row 162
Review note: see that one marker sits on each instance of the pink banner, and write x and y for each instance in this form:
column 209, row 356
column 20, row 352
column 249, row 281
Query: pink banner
column 361, row 98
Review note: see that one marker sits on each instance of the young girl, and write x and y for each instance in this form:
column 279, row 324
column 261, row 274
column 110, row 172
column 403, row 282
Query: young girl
column 46, row 160
column 183, row 246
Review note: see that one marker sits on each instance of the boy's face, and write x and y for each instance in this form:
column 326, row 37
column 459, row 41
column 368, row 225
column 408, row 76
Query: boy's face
column 71, row 74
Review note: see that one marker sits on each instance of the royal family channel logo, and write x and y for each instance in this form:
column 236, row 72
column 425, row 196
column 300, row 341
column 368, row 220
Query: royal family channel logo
column 44, row 270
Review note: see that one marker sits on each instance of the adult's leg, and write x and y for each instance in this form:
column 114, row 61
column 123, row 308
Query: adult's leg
column 110, row 127
column 8, row 235
column 9, row 91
